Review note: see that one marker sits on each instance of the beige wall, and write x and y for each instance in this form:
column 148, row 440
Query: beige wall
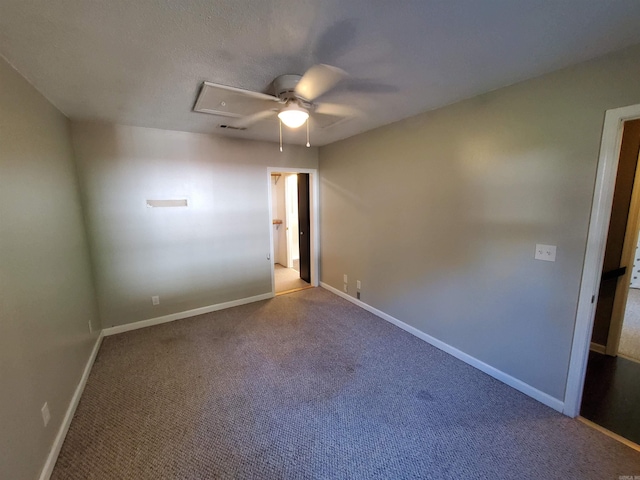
column 211, row 252
column 438, row 215
column 45, row 280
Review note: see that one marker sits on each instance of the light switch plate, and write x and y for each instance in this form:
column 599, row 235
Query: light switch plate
column 545, row 252
column 46, row 416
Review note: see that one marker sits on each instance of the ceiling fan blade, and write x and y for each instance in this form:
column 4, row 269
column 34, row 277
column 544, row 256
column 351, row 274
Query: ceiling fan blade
column 246, row 122
column 369, row 86
column 335, row 41
column 336, row 110
column 318, row 80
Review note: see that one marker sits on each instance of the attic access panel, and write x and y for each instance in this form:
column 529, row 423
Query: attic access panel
column 323, row 120
column 232, row 102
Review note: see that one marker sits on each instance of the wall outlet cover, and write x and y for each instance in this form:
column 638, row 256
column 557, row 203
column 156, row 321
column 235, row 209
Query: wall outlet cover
column 155, row 300
column 545, row 252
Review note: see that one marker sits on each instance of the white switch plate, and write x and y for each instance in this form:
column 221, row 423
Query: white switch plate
column 344, row 278
column 155, row 300
column 358, row 284
column 545, row 252
column 46, row 416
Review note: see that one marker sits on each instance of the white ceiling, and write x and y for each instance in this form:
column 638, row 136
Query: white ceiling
column 142, row 62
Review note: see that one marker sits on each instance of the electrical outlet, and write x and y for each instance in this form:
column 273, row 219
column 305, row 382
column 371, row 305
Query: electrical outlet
column 345, row 288
column 344, row 278
column 46, row 416
column 155, row 300
column 358, row 284
column 545, row 252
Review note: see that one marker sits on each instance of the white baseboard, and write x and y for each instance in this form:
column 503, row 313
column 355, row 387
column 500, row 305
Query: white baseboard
column 186, row 314
column 468, row 359
column 71, row 410
column 64, row 428
column 596, row 347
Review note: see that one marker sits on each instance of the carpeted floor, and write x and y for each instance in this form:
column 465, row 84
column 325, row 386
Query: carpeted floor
column 630, row 337
column 287, row 279
column 309, row 386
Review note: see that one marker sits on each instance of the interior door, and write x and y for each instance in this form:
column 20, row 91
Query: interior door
column 304, row 226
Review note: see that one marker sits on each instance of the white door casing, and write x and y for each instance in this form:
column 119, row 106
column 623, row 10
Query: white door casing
column 594, row 255
column 314, row 200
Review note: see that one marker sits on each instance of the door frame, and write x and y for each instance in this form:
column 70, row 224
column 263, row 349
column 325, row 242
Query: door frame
column 288, row 198
column 314, row 210
column 594, row 255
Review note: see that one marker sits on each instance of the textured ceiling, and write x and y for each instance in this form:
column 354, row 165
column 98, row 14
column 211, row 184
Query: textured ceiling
column 142, row 62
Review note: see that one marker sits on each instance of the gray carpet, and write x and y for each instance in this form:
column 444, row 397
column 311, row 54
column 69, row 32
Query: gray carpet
column 309, row 386
column 630, row 337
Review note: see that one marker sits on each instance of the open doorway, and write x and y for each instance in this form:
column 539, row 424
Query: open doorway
column 629, row 345
column 292, row 236
column 612, row 382
column 610, row 148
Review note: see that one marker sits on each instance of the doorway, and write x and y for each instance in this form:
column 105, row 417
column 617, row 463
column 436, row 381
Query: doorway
column 629, row 344
column 612, row 381
column 620, row 246
column 594, row 254
column 293, row 217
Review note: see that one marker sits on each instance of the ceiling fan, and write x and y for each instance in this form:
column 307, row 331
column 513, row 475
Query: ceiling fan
column 295, row 100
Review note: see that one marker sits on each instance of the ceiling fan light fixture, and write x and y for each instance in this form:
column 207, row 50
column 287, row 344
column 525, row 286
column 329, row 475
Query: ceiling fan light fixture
column 293, row 116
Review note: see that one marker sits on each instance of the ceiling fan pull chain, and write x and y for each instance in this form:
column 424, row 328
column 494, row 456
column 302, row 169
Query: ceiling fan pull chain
column 308, row 144
column 280, row 134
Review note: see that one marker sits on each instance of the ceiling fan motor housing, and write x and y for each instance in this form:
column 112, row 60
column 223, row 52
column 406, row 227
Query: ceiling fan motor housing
column 284, row 87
